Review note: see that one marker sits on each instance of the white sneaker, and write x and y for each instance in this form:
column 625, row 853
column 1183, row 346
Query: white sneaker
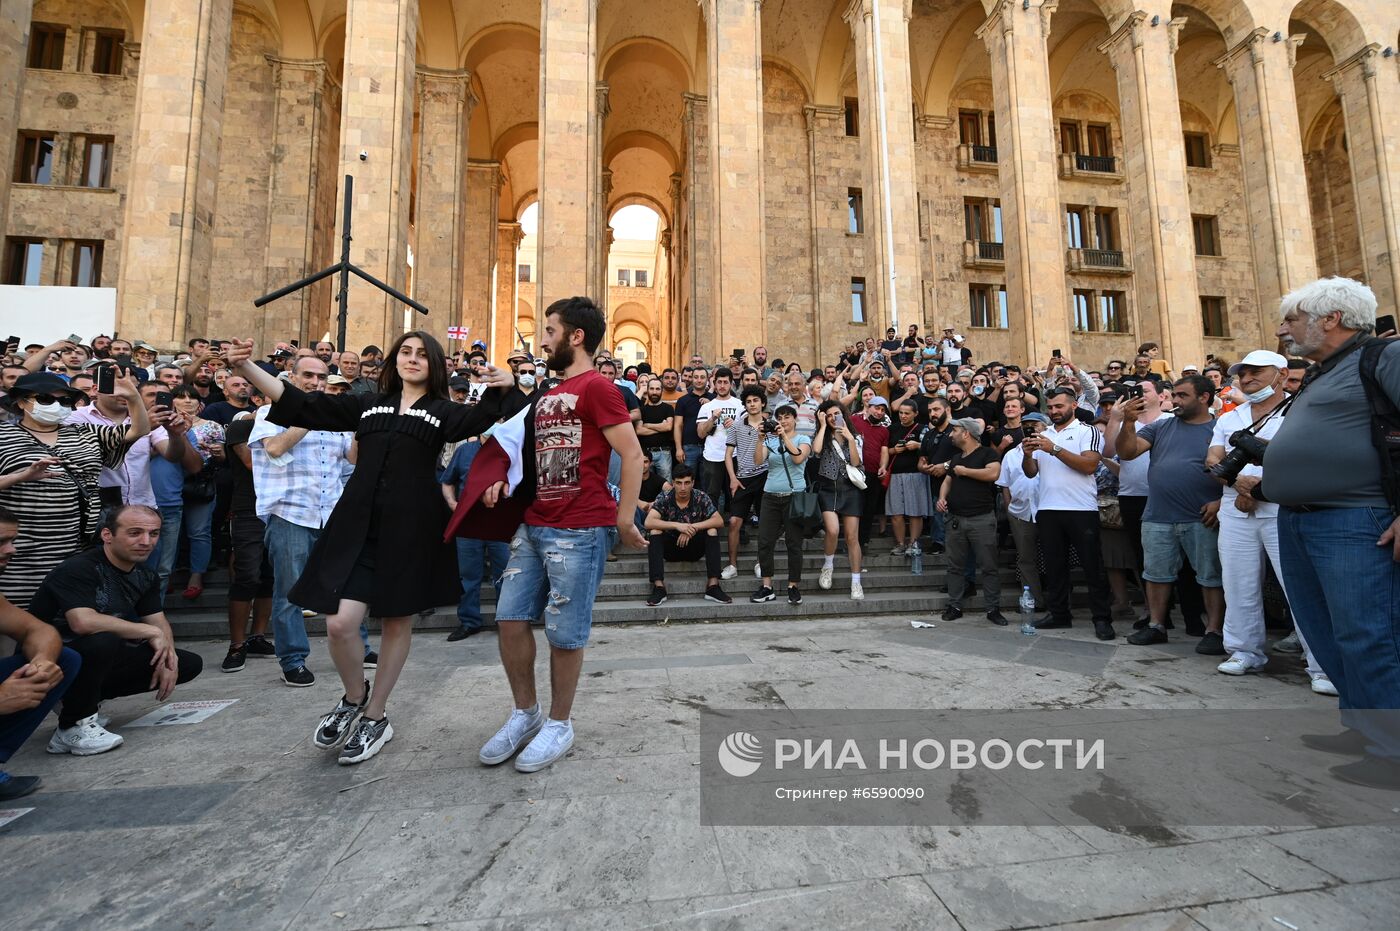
column 1323, row 685
column 824, row 580
column 103, row 719
column 549, row 745
column 1237, row 665
column 730, row 571
column 85, row 738
column 514, row 734
column 857, row 590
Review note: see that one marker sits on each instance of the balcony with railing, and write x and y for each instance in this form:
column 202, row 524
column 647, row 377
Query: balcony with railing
column 978, row 253
column 1079, row 167
column 977, row 157
column 1098, row 262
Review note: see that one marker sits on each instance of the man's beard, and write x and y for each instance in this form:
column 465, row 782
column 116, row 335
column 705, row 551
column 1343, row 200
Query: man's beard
column 1313, row 338
column 1061, row 419
column 561, row 359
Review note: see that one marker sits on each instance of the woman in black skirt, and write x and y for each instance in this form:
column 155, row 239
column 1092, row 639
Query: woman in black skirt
column 382, row 550
column 836, row 447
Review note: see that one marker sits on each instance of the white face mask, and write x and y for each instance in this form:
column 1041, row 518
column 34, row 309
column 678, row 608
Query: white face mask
column 527, row 381
column 50, row 415
column 978, row 390
column 1263, row 394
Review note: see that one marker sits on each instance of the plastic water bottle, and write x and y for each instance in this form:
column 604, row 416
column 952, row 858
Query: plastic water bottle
column 916, row 560
column 1027, row 605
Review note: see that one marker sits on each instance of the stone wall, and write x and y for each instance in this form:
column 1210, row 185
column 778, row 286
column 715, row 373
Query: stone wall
column 788, row 216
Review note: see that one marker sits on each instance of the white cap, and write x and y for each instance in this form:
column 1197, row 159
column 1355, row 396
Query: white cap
column 1261, row 357
column 1190, row 367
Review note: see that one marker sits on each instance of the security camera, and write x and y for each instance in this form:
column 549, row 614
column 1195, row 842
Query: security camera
column 364, row 156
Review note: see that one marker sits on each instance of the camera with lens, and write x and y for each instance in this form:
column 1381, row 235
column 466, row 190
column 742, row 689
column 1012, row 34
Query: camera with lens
column 770, row 426
column 1248, row 450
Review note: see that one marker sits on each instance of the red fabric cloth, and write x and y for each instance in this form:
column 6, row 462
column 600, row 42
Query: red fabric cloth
column 472, row 517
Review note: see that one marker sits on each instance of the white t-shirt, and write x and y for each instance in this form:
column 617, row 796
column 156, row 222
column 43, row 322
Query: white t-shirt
column 1062, row 488
column 1228, row 423
column 1025, row 491
column 718, row 408
column 952, row 349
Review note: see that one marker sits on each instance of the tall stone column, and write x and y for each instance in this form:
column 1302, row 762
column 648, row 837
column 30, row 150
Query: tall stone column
column 887, row 134
column 376, row 120
column 483, row 180
column 14, row 52
column 605, row 234
column 739, row 296
column 704, row 309
column 1369, row 87
column 172, row 184
column 1028, row 169
column 1260, row 70
column 298, row 186
column 570, row 154
column 445, row 103
column 1164, row 250
column 504, row 340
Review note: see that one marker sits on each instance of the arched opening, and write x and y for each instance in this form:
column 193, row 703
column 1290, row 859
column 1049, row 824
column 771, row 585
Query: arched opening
column 525, row 267
column 636, row 270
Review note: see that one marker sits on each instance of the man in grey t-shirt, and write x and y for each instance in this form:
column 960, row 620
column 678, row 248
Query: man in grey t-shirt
column 1182, row 507
column 1339, row 537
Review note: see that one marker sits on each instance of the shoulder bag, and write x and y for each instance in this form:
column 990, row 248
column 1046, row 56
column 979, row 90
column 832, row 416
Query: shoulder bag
column 855, row 475
column 803, row 506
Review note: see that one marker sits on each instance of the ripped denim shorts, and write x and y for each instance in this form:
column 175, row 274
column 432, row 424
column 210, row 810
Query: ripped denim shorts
column 554, row 574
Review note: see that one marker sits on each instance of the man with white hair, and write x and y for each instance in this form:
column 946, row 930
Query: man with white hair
column 1248, row 527
column 1339, row 534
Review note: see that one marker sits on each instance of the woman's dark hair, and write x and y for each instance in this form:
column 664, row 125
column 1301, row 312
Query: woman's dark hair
column 792, row 366
column 390, row 382
column 185, row 391
column 829, row 403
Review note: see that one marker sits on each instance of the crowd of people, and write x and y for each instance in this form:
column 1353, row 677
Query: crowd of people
column 323, row 482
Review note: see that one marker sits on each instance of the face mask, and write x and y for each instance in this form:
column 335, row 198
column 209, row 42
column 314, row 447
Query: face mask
column 527, row 381
column 977, row 390
column 50, row 415
column 1263, row 394
column 942, row 392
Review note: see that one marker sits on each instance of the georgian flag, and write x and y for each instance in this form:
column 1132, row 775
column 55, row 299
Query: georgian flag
column 458, row 332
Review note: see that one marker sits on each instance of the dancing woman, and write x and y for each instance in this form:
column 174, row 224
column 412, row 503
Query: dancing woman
column 382, row 550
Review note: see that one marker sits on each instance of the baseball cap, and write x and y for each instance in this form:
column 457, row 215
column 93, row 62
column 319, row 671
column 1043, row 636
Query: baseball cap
column 878, row 401
column 1190, row 367
column 1036, row 417
column 1260, row 357
column 458, row 383
column 142, row 344
column 337, row 380
column 479, row 344
column 969, row 424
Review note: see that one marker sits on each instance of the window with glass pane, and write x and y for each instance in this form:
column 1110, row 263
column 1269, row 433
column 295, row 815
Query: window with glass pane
column 46, row 46
column 991, row 128
column 1082, row 301
column 97, row 161
column 107, row 51
column 24, row 261
column 852, row 116
column 1099, row 139
column 1106, row 227
column 1197, row 150
column 970, row 127
column 1003, row 319
column 1205, row 230
column 1069, row 137
column 1113, row 316
column 1213, row 321
column 1074, row 227
column 855, row 210
column 857, row 300
column 640, row 277
column 522, row 273
column 34, row 158
column 972, row 218
column 624, row 277
column 979, row 303
column 87, row 265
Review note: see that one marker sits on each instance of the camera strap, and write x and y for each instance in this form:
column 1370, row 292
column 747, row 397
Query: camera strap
column 1385, row 421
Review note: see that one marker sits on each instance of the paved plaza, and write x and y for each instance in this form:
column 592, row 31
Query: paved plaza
column 238, row 822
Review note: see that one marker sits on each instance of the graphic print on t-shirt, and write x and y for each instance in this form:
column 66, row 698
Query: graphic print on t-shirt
column 558, row 445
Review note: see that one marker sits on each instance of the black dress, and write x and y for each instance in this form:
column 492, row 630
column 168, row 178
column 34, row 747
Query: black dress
column 391, row 515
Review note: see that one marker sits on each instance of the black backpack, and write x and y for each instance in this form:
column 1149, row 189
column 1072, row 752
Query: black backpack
column 1385, row 421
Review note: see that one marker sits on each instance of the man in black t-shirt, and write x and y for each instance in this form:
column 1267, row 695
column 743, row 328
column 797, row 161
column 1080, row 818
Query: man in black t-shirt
column 107, row 608
column 683, row 526
column 250, row 589
column 967, row 498
column 686, row 440
column 655, row 430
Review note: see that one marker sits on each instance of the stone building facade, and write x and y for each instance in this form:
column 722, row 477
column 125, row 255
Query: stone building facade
column 1078, row 174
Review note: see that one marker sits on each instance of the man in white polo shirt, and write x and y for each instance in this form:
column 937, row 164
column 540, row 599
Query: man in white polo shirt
column 1066, row 457
column 1249, row 528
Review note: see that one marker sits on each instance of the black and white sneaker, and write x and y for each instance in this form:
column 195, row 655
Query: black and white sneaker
column 336, row 726
column 718, row 595
column 763, row 594
column 657, row 596
column 298, row 677
column 794, row 596
column 236, row 658
column 258, row 646
column 368, row 738
column 371, row 660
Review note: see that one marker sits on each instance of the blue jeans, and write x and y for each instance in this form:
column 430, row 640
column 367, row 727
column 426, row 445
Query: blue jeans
column 199, row 518
column 288, row 548
column 554, row 573
column 1345, row 594
column 692, row 457
column 614, row 468
column 162, row 560
column 472, row 558
column 16, row 728
column 661, row 460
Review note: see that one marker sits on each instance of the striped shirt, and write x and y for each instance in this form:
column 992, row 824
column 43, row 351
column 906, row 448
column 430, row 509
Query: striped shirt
column 743, row 439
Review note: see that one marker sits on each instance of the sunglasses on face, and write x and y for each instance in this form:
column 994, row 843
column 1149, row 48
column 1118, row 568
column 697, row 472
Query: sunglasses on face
column 63, row 399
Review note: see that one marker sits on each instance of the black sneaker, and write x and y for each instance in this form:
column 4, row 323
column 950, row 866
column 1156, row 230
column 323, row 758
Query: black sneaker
column 236, row 658
column 1212, row 644
column 1349, row 742
column 763, row 594
column 298, row 677
column 1104, row 630
column 366, row 740
column 12, row 787
column 462, row 633
column 952, row 613
column 794, row 596
column 371, row 660
column 718, row 595
column 258, row 646
column 335, row 727
column 657, row 596
column 1146, row 619
column 1147, row 636
column 997, row 618
column 1048, row 622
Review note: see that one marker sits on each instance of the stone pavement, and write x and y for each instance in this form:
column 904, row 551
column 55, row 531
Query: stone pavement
column 237, row 822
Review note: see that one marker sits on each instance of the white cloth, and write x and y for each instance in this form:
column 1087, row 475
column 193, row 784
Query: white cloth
column 1244, row 541
column 717, row 410
column 1228, row 423
column 1062, row 488
column 1025, row 491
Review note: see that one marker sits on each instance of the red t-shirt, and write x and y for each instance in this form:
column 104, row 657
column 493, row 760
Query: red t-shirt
column 571, row 453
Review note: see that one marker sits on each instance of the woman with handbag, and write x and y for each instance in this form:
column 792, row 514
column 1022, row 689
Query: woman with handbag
column 200, row 488
column 841, row 487
column 785, row 498
column 907, row 500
